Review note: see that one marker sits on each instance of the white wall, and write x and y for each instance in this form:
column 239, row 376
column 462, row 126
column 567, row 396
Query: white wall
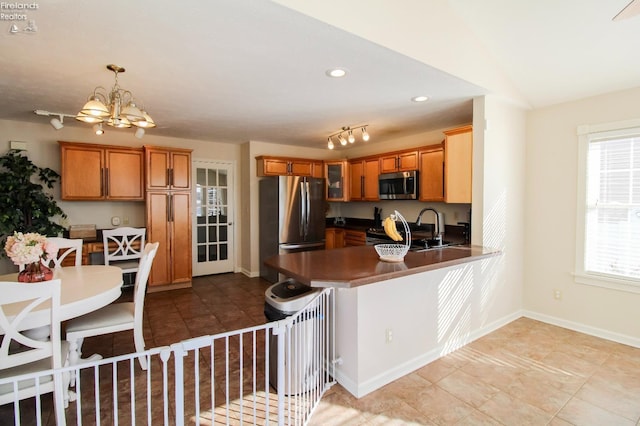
column 429, row 315
column 551, row 214
column 44, row 151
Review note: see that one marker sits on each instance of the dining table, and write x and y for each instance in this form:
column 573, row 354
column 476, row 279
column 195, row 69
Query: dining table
column 83, row 289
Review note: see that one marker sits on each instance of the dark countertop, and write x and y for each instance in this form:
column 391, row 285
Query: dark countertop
column 355, row 266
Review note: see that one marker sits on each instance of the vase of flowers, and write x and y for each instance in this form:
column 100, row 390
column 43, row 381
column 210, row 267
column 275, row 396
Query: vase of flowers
column 28, row 251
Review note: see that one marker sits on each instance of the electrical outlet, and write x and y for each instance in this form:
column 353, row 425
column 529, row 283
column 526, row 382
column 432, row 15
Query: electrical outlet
column 557, row 294
column 125, row 220
column 388, row 335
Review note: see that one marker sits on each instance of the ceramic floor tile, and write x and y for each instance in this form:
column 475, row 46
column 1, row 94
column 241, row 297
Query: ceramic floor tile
column 512, row 411
column 467, row 388
column 579, row 412
column 610, row 396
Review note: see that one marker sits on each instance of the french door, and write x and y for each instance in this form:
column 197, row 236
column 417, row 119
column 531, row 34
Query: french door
column 213, row 236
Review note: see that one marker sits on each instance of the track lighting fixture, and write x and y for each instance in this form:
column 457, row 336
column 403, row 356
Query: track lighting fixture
column 350, row 136
column 115, row 108
column 57, row 122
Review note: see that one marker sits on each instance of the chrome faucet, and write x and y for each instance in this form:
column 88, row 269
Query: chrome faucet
column 438, row 227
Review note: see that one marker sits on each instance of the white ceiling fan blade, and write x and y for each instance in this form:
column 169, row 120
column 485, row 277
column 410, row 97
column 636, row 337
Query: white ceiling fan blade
column 632, row 9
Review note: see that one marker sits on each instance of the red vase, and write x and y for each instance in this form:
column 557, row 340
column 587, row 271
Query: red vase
column 34, row 273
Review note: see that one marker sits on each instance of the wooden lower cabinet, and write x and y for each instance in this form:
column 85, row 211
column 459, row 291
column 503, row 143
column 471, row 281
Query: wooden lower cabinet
column 354, row 238
column 334, row 238
column 169, row 223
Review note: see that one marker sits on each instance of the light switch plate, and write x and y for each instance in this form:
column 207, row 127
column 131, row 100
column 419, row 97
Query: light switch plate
column 115, row 221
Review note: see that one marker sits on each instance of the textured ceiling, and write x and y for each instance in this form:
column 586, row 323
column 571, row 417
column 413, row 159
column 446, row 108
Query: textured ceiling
column 233, row 71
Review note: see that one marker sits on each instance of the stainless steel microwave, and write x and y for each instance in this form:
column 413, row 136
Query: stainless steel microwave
column 398, row 186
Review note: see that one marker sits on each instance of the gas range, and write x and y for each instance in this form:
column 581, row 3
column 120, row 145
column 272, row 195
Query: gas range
column 377, row 236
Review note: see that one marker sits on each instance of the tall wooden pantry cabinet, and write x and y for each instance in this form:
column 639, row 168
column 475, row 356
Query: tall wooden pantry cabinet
column 168, row 215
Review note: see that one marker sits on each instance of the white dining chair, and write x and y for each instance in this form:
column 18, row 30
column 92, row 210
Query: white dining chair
column 115, row 317
column 32, row 355
column 71, row 246
column 123, row 248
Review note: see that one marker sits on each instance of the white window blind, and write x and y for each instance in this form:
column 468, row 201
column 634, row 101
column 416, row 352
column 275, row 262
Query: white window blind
column 612, row 207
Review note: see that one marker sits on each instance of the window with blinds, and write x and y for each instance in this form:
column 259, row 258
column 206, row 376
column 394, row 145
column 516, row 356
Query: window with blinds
column 610, row 208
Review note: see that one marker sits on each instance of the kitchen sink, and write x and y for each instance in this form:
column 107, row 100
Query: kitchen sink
column 424, row 245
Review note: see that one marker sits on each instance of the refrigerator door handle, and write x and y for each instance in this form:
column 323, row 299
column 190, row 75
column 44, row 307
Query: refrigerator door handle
column 303, row 209
column 307, row 216
column 294, row 246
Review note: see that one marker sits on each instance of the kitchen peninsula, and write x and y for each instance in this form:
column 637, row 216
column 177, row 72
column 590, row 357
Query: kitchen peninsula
column 393, row 318
column 359, row 265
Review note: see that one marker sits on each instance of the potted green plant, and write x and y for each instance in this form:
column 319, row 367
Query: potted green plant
column 25, row 205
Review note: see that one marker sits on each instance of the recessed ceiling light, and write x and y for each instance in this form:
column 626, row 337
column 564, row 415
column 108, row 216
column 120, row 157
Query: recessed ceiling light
column 420, row 98
column 337, row 72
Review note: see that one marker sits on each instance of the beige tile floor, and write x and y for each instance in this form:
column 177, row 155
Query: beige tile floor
column 526, row 373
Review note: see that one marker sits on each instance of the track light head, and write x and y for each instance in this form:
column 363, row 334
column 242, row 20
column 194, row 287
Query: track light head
column 330, row 144
column 365, row 135
column 98, row 129
column 56, row 123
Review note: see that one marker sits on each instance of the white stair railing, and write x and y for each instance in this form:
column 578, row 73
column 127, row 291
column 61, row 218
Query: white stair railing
column 217, row 379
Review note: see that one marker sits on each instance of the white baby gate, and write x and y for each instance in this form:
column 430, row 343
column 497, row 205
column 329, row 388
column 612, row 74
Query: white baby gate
column 208, row 380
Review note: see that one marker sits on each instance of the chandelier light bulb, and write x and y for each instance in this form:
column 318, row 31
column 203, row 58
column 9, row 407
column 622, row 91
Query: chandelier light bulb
column 342, row 140
column 352, row 138
column 330, row 144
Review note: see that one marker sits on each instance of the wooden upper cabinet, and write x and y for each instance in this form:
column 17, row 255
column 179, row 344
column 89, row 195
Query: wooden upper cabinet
column 363, row 178
column 284, row 166
column 458, row 160
column 337, row 175
column 399, row 162
column 101, row 172
column 431, row 173
column 168, row 168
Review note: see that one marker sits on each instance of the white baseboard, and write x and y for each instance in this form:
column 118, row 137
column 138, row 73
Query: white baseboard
column 586, row 329
column 248, row 273
column 413, row 364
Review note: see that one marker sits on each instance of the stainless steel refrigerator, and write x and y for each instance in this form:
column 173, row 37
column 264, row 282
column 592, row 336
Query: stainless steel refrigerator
column 292, row 217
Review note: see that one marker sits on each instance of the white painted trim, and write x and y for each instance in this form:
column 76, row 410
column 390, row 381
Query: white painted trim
column 587, row 134
column 584, row 129
column 586, row 329
column 614, row 283
column 248, row 273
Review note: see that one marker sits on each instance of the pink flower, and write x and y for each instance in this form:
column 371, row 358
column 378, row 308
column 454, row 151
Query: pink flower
column 28, row 248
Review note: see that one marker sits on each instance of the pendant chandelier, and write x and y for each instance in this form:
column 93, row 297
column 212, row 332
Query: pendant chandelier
column 115, row 108
column 350, row 138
